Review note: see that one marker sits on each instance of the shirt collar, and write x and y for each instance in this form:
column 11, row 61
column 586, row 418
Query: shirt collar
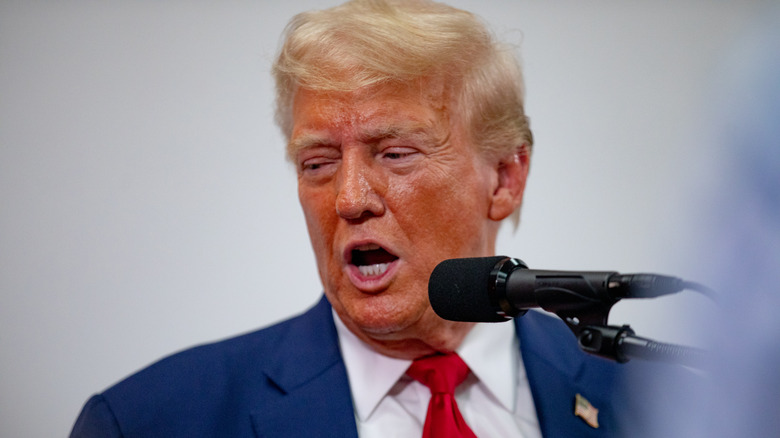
column 490, row 351
column 371, row 375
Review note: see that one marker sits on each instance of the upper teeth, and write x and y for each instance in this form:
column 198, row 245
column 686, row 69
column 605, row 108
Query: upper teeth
column 373, row 270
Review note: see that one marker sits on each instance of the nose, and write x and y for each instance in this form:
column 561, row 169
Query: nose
column 359, row 188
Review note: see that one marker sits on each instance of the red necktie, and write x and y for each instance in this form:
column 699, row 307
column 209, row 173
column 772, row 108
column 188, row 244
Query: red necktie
column 442, row 373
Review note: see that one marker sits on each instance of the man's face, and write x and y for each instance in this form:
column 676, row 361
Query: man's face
column 389, row 189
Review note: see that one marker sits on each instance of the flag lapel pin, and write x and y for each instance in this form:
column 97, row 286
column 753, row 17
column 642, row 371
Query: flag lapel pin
column 586, row 411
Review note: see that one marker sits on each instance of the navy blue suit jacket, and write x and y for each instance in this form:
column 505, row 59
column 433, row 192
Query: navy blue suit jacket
column 289, row 380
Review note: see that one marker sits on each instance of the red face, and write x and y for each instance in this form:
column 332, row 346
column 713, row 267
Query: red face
column 389, row 189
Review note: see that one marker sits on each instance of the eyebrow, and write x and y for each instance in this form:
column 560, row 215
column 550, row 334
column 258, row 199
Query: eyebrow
column 308, row 140
column 372, row 134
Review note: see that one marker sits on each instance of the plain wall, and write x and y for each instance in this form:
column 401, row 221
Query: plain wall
column 146, row 204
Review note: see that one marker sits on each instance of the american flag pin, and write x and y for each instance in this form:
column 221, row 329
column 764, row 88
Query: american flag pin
column 586, row 411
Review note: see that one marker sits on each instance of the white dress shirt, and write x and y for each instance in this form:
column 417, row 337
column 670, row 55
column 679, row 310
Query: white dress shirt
column 495, row 399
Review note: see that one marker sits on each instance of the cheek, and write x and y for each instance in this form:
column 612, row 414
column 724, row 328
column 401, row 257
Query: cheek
column 321, row 222
column 444, row 209
column 320, row 218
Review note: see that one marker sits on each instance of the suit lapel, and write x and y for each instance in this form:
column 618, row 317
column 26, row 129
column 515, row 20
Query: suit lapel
column 313, row 397
column 558, row 371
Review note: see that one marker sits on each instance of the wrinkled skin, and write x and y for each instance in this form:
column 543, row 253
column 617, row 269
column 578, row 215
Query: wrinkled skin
column 388, row 171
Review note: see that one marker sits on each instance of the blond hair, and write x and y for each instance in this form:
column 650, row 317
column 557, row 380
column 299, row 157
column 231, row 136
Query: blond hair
column 365, row 43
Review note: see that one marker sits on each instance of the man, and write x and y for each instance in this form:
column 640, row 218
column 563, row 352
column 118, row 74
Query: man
column 406, row 125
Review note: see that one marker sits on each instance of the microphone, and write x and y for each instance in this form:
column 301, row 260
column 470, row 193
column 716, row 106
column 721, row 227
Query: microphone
column 495, row 289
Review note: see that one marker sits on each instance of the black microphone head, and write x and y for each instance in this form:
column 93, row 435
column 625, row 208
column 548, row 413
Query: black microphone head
column 458, row 290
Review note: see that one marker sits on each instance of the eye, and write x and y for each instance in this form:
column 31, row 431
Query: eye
column 398, row 153
column 317, row 160
column 315, row 164
column 318, row 163
column 395, row 155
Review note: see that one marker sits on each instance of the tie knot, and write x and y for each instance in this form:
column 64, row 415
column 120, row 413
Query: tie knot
column 442, row 373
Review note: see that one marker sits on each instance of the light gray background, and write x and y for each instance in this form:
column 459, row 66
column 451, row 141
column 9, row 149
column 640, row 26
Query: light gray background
column 145, row 204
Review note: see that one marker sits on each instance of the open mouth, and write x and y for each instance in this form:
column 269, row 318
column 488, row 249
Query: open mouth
column 371, row 260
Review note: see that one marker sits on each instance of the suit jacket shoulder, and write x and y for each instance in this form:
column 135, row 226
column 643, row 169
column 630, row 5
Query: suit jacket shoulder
column 265, row 383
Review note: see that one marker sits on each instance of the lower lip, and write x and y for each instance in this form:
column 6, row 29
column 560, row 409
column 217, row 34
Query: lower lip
column 373, row 284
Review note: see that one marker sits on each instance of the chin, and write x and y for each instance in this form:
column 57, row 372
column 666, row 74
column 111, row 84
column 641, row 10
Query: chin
column 385, row 323
column 382, row 325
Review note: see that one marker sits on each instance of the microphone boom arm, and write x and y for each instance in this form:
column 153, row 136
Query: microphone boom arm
column 620, row 344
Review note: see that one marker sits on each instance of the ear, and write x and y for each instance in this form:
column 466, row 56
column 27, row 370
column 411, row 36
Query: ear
column 512, row 174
